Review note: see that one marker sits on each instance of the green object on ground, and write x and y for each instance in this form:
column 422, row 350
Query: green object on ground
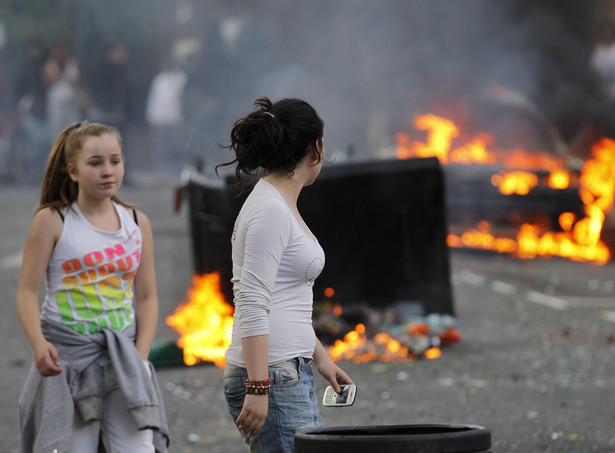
column 166, row 354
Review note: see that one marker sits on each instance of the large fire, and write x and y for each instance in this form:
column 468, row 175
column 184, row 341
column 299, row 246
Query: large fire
column 205, row 322
column 580, row 238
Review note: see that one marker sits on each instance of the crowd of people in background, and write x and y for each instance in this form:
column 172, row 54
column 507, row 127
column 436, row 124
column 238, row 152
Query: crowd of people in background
column 177, row 111
column 51, row 89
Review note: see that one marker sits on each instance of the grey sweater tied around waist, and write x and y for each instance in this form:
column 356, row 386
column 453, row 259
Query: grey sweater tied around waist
column 47, row 404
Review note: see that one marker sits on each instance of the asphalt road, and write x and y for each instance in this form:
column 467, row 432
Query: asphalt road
column 535, row 365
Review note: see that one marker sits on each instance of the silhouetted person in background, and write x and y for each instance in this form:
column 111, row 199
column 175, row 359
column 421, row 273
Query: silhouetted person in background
column 31, row 98
column 164, row 114
column 66, row 96
column 206, row 98
column 110, row 86
column 29, row 85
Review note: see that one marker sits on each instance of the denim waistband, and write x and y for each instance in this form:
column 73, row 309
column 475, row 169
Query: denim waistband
column 300, row 360
column 297, row 361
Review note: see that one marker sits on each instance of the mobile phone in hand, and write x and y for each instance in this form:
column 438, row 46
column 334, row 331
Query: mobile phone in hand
column 342, row 399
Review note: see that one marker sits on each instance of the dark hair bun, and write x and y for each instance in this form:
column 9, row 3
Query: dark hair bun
column 275, row 136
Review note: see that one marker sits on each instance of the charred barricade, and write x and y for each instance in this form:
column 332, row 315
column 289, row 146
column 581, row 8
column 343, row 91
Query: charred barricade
column 382, row 224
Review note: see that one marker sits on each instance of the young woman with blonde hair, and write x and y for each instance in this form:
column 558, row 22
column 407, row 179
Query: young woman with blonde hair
column 90, row 381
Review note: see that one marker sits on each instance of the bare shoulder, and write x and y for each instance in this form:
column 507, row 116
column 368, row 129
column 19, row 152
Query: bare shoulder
column 48, row 216
column 145, row 227
column 47, row 223
column 142, row 219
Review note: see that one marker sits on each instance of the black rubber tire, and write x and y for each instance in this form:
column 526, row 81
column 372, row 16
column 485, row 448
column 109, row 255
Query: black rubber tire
column 395, row 439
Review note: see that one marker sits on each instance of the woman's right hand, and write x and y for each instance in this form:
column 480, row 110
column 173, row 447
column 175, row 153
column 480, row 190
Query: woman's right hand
column 253, row 414
column 44, row 233
column 47, row 360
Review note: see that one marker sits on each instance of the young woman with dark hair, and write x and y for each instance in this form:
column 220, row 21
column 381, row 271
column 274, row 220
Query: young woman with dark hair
column 276, row 259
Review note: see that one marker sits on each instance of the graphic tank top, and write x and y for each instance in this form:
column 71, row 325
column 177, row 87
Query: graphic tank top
column 91, row 272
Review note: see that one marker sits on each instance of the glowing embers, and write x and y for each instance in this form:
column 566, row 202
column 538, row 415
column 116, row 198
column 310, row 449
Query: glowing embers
column 392, row 338
column 204, row 322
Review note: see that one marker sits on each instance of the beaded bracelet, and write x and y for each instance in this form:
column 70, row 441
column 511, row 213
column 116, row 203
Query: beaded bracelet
column 258, row 387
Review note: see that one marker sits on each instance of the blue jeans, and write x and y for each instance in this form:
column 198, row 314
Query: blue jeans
column 293, row 405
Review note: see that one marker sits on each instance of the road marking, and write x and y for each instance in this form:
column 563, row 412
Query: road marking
column 549, row 301
column 11, row 261
column 472, row 278
column 608, row 315
column 503, row 287
column 593, row 301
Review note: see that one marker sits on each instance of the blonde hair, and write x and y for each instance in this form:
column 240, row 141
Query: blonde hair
column 58, row 189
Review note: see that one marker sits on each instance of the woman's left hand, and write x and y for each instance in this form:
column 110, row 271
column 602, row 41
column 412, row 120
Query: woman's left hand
column 328, row 369
column 334, row 374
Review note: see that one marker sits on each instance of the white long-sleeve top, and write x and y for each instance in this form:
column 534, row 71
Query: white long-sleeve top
column 275, row 264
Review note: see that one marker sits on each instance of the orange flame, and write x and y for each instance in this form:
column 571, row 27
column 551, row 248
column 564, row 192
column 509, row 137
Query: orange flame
column 356, row 347
column 337, row 310
column 205, row 325
column 559, row 179
column 439, row 138
column 515, row 182
column 522, row 182
column 580, row 238
column 475, row 151
column 440, row 135
column 530, row 243
column 566, row 220
column 598, row 176
column 433, row 353
column 329, row 293
column 205, row 322
column 345, row 349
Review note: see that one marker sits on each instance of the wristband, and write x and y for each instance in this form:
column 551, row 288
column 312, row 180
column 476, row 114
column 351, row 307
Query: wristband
column 255, row 391
column 258, row 387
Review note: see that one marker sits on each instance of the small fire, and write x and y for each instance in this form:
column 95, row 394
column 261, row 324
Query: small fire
column 205, row 322
column 433, row 353
column 519, row 182
column 356, row 347
column 359, row 348
column 581, row 237
column 559, row 179
column 522, row 182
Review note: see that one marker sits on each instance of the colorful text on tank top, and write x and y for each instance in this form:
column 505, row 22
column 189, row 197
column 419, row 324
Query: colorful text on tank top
column 98, row 287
